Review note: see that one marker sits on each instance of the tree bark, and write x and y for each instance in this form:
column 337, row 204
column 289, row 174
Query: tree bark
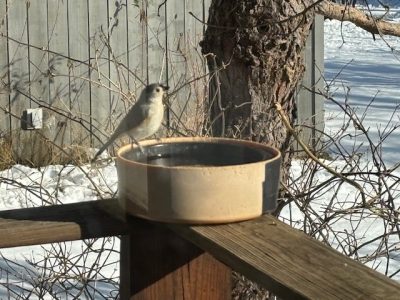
column 255, row 48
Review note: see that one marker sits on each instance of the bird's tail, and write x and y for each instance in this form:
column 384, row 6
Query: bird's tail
column 104, row 147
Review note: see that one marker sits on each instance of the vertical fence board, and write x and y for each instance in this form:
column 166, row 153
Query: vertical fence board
column 319, row 83
column 310, row 115
column 119, row 75
column 18, row 60
column 38, row 77
column 136, row 45
column 195, row 99
column 19, row 76
column 136, row 34
column 78, row 70
column 156, row 41
column 177, row 60
column 100, row 107
column 5, row 120
column 58, row 68
column 38, row 57
column 186, row 63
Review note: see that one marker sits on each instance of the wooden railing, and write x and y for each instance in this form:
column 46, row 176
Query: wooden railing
column 169, row 261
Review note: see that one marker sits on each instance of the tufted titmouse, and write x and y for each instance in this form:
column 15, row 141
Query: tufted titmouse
column 143, row 119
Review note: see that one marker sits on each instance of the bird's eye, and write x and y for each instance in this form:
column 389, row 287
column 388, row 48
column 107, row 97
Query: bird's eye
column 158, row 90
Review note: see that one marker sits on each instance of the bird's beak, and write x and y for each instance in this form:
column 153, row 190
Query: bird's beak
column 165, row 88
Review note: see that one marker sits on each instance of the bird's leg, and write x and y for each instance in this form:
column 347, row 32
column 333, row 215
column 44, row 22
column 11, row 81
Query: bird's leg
column 157, row 137
column 137, row 143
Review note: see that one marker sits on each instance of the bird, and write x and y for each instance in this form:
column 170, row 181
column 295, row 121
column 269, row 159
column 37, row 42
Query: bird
column 143, row 119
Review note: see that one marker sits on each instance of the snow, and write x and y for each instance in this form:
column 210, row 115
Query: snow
column 363, row 74
column 357, row 69
column 51, row 185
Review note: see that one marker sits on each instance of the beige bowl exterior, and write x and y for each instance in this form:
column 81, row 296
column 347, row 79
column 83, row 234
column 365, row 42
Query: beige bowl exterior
column 198, row 194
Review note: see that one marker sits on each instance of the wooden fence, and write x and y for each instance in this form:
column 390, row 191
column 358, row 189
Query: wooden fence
column 310, row 102
column 84, row 61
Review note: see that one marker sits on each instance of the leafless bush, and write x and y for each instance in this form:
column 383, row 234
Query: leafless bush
column 62, row 272
column 319, row 202
column 60, row 151
column 361, row 223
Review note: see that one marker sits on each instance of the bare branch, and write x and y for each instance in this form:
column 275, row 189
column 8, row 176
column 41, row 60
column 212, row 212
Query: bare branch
column 367, row 22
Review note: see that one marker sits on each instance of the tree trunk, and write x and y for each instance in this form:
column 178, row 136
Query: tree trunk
column 256, row 48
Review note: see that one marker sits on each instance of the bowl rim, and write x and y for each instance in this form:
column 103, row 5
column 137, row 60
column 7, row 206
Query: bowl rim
column 128, row 147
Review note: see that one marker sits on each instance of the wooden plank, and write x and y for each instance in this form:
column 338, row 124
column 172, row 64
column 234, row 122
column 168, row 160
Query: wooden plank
column 41, row 225
column 186, row 63
column 310, row 114
column 155, row 42
column 19, row 76
column 177, row 63
column 38, row 58
column 100, row 108
column 289, row 263
column 39, row 79
column 59, row 98
column 193, row 101
column 161, row 263
column 119, row 74
column 284, row 260
column 137, row 52
column 156, row 263
column 5, row 118
column 319, row 84
column 18, row 60
column 79, row 89
column 305, row 97
column 137, row 61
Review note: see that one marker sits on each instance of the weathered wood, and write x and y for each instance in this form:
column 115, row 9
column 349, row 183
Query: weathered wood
column 156, row 263
column 18, row 64
column 38, row 59
column 41, row 225
column 176, row 69
column 309, row 101
column 136, row 34
column 100, row 108
column 279, row 257
column 72, row 28
column 119, row 73
column 78, row 72
column 164, row 265
column 185, row 62
column 5, row 118
column 289, row 263
column 156, row 41
column 58, row 82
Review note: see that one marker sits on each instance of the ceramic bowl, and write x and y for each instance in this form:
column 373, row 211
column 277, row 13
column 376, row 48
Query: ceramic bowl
column 198, row 180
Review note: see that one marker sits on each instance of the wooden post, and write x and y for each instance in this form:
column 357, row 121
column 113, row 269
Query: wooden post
column 310, row 102
column 156, row 263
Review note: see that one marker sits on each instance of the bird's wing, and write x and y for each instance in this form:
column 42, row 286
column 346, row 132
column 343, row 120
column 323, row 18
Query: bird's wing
column 136, row 115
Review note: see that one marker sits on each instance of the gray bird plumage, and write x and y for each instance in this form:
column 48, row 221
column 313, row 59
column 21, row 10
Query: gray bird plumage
column 143, row 119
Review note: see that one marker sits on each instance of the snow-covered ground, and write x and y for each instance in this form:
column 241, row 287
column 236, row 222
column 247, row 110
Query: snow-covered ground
column 357, row 68
column 360, row 69
column 363, row 75
column 59, row 184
